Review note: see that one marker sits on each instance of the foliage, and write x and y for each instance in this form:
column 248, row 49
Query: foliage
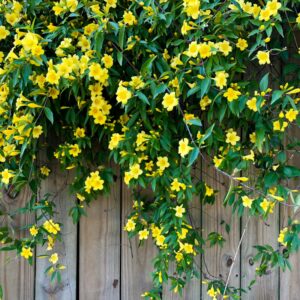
column 154, row 86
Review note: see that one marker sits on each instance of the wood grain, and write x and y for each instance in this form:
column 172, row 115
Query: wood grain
column 16, row 275
column 136, row 265
column 217, row 261
column 289, row 280
column 57, row 185
column 259, row 233
column 192, row 289
column 99, row 270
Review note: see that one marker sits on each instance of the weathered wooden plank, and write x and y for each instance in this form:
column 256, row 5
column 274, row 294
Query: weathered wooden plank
column 136, row 262
column 217, row 261
column 289, row 280
column 192, row 290
column 16, row 275
column 57, row 185
column 99, row 269
column 259, row 233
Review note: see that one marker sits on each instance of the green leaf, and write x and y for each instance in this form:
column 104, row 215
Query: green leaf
column 1, row 293
column 279, row 28
column 290, row 171
column 142, row 97
column 260, row 136
column 196, row 122
column 208, row 132
column 271, row 179
column 147, row 66
column 49, row 114
column 276, row 95
column 205, row 84
column 99, row 38
column 193, row 155
column 120, row 58
column 121, row 37
column 264, row 83
column 194, row 90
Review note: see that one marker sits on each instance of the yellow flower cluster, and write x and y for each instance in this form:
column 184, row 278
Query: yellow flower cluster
column 93, row 182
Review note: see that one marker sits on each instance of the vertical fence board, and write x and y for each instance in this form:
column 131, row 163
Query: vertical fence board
column 57, row 185
column 192, row 290
column 217, row 261
column 289, row 280
column 16, row 275
column 259, row 233
column 99, row 271
column 136, row 261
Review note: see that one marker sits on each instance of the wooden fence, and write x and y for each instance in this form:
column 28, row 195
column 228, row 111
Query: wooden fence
column 103, row 264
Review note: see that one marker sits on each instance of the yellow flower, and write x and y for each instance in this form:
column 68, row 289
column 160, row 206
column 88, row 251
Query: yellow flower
column 135, row 171
column 93, row 181
column 80, row 197
column 247, row 202
column 267, row 206
column 143, row 234
column 208, row 191
column 242, row 44
column 129, row 18
column 98, row 73
column 204, row 102
column 33, row 230
column 232, row 94
column 213, row 293
column 3, row 33
column 183, row 234
column 291, row 115
column 193, row 50
column 45, row 171
column 263, row 57
column 224, row 47
column 178, row 256
column 170, row 101
column 252, row 137
column 282, row 236
column 72, row 5
column 6, row 176
column 188, row 248
column 79, row 132
column 51, row 227
column 123, row 95
column 53, row 258
column 52, row 77
column 176, row 185
column 184, row 147
column 298, row 19
column 107, row 60
column 179, row 211
column 37, row 131
column 221, row 79
column 251, row 103
column 114, row 141
column 232, row 137
column 74, row 150
column 217, row 161
column 26, row 252
column 279, row 126
column 204, row 50
column 162, row 162
column 160, row 239
column 130, row 225
column 249, row 156
column 12, row 18
column 185, row 28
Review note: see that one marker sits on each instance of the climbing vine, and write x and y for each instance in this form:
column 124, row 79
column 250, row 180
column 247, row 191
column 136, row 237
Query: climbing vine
column 155, row 87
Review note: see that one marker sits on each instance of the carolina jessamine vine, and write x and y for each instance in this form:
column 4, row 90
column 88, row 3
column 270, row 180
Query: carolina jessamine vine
column 153, row 86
